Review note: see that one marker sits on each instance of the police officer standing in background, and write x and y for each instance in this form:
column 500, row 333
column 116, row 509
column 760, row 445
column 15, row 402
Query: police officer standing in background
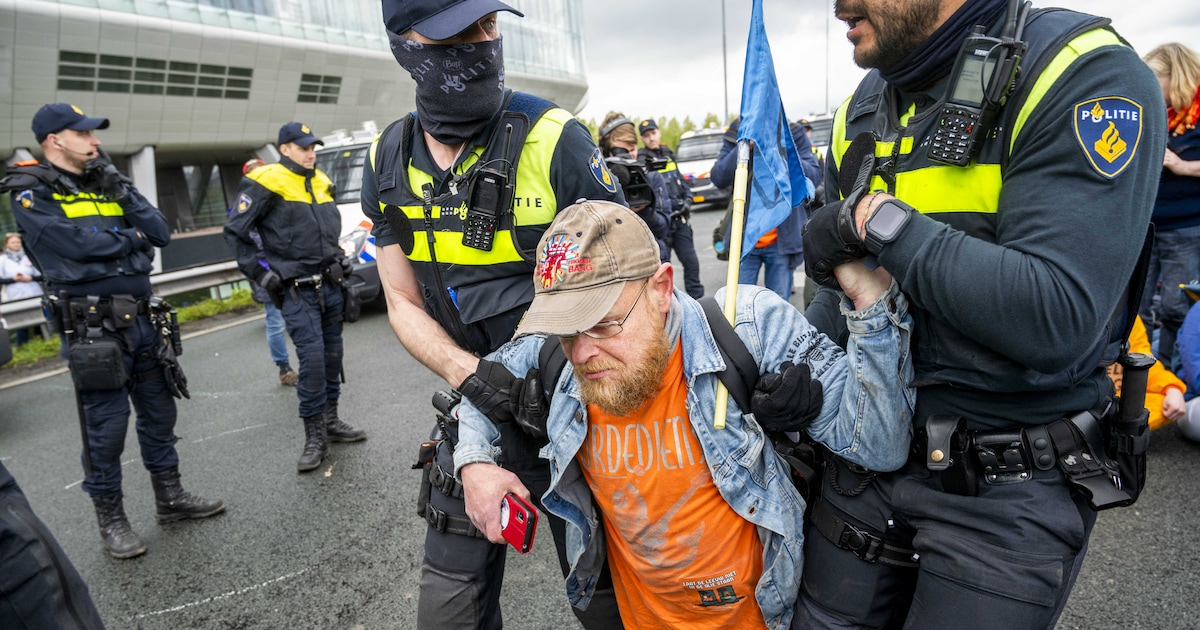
column 681, row 206
column 460, row 194
column 291, row 206
column 93, row 235
column 1016, row 253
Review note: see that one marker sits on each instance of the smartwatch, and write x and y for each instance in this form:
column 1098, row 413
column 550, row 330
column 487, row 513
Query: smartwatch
column 885, row 224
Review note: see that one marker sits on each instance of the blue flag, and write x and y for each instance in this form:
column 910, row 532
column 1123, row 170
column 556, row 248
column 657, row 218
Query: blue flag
column 778, row 182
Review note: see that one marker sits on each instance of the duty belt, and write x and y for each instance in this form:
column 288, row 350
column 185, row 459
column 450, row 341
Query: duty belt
column 962, row 458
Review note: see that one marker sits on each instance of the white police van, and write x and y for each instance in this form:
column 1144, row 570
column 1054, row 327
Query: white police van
column 342, row 159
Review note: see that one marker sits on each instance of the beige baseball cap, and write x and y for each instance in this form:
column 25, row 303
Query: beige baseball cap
column 584, row 260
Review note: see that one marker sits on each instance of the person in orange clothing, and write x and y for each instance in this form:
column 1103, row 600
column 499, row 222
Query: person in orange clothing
column 1164, row 390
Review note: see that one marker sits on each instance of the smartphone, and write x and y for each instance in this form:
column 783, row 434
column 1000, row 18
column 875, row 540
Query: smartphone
column 518, row 520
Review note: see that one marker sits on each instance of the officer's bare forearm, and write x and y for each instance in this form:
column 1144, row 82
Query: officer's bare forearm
column 424, row 339
column 428, row 343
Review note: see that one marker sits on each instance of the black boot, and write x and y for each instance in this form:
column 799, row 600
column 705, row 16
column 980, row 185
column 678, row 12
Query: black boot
column 337, row 430
column 119, row 538
column 315, row 445
column 175, row 504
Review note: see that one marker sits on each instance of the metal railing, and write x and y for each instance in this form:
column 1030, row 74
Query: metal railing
column 28, row 312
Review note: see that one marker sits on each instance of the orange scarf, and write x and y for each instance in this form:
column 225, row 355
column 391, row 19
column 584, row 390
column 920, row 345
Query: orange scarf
column 1181, row 122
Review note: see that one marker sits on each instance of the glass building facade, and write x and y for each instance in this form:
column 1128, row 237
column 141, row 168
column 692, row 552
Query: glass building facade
column 547, row 42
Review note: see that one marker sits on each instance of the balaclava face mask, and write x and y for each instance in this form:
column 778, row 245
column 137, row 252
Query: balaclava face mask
column 459, row 86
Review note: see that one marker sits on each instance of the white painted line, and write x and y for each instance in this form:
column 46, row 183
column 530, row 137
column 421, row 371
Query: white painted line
column 208, row 600
column 224, row 433
column 124, row 463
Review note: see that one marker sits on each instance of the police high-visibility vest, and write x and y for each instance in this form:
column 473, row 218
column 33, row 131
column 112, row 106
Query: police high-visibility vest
column 968, row 198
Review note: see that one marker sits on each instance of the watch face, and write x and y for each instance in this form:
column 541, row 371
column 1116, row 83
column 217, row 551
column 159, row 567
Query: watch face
column 887, row 220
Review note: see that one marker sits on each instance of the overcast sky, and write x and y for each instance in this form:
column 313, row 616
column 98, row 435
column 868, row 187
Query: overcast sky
column 663, row 57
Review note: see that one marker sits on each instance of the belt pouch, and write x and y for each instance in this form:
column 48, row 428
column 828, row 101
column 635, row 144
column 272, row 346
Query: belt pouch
column 97, row 364
column 351, row 303
column 124, row 310
column 947, row 447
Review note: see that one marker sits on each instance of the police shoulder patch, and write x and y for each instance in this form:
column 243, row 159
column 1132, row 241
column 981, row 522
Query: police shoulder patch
column 601, row 173
column 1108, row 129
column 243, row 203
column 25, row 198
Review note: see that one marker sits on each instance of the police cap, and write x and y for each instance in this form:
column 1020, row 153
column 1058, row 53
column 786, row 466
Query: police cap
column 298, row 133
column 55, row 117
column 438, row 19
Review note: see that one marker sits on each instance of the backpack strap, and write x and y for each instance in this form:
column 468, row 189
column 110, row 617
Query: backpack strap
column 741, row 370
column 551, row 361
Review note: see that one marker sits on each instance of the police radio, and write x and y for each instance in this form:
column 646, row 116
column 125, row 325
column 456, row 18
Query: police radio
column 484, row 208
column 983, row 76
column 488, row 199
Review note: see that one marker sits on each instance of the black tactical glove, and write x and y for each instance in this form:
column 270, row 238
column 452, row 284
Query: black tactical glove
column 789, row 400
column 830, row 236
column 104, row 178
column 529, row 406
column 273, row 285
column 347, row 266
column 489, row 388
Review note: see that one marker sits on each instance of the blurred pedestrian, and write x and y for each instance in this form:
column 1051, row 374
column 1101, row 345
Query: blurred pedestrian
column 19, row 277
column 1176, row 218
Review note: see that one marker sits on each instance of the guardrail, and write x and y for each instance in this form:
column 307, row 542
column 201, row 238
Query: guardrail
column 28, row 312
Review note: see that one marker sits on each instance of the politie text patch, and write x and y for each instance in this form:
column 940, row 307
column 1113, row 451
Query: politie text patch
column 1108, row 129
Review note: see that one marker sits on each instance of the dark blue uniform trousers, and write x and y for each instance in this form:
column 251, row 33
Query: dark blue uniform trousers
column 684, row 244
column 1006, row 558
column 316, row 331
column 107, row 414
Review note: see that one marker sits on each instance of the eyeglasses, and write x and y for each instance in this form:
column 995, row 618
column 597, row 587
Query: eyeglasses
column 612, row 328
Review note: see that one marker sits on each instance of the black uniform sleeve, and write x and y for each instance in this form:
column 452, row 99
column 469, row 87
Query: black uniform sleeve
column 573, row 174
column 248, row 212
column 1066, row 235
column 46, row 226
column 142, row 215
column 369, row 197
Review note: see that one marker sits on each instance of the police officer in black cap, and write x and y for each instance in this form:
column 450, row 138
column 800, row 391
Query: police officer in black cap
column 680, row 238
column 93, row 235
column 291, row 206
column 460, row 193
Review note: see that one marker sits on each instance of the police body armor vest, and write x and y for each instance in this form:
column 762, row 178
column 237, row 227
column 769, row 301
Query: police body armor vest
column 88, row 210
column 482, row 284
column 967, row 198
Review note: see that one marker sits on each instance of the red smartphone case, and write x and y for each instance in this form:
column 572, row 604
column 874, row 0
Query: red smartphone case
column 518, row 521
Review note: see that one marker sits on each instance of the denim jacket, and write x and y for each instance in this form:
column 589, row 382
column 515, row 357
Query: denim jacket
column 866, row 419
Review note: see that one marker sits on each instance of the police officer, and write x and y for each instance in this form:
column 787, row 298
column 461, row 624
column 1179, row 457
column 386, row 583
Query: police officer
column 93, row 235
column 291, row 206
column 1014, row 263
column 645, row 189
column 681, row 205
column 460, row 194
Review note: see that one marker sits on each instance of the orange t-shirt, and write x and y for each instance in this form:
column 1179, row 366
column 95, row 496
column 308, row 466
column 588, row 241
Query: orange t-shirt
column 768, row 239
column 680, row 556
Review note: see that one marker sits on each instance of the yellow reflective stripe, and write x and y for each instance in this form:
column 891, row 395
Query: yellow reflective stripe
column 1081, row 45
column 671, row 166
column 449, row 244
column 949, row 188
column 88, row 205
column 290, row 186
column 838, row 139
column 884, row 149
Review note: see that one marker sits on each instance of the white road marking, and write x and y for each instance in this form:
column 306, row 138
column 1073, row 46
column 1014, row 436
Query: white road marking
column 209, row 600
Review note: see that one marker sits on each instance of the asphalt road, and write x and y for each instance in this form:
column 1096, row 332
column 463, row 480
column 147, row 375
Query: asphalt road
column 340, row 548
